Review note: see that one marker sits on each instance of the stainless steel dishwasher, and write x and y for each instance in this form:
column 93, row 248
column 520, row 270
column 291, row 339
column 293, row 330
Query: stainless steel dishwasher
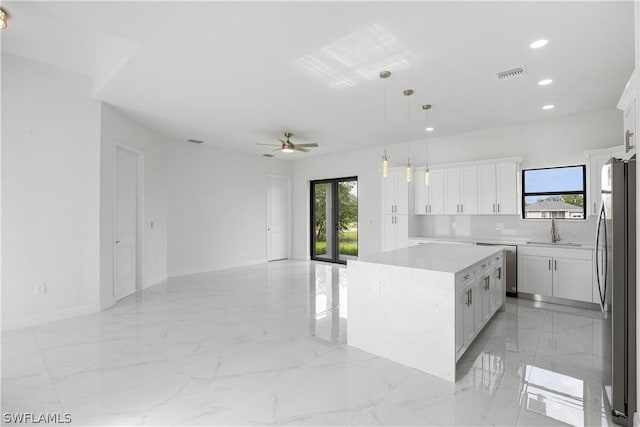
column 511, row 261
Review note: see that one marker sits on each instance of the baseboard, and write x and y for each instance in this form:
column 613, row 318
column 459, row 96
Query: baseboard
column 207, row 269
column 50, row 316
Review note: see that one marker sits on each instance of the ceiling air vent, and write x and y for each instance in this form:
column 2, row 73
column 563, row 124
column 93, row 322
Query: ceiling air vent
column 268, row 155
column 512, row 73
column 195, row 141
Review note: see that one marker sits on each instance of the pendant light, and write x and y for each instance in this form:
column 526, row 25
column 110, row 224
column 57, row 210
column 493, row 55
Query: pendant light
column 408, row 93
column 426, row 109
column 385, row 159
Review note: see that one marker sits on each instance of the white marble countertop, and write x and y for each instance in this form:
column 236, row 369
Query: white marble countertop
column 434, row 256
column 500, row 241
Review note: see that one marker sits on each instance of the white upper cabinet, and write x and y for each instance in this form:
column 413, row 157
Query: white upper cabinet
column 628, row 103
column 395, row 193
column 498, row 188
column 429, row 198
column 461, row 190
column 597, row 159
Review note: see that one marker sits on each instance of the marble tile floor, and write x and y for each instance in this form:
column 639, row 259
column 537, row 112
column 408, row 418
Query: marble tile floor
column 266, row 345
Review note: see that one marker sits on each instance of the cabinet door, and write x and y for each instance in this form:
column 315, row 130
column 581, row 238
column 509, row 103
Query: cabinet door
column 389, row 233
column 487, row 189
column 498, row 288
column 436, row 191
column 507, row 188
column 420, row 193
column 572, row 279
column 452, row 191
column 535, row 275
column 461, row 301
column 389, row 193
column 487, row 303
column 402, row 192
column 469, row 190
column 629, row 121
column 469, row 315
column 402, row 231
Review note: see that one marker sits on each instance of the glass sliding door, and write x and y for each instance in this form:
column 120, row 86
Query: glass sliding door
column 334, row 219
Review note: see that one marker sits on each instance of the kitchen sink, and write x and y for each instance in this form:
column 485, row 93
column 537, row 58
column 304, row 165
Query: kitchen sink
column 554, row 244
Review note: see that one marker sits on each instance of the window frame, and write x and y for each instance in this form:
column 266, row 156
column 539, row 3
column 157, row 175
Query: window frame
column 556, row 193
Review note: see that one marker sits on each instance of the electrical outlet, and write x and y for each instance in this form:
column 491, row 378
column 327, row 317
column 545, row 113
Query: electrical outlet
column 40, row 288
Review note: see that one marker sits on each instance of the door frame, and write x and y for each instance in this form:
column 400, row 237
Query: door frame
column 119, row 145
column 334, row 213
column 268, row 215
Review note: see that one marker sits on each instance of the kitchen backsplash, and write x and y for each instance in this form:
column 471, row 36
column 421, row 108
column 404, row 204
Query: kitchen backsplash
column 502, row 226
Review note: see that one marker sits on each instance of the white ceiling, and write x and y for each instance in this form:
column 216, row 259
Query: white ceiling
column 237, row 73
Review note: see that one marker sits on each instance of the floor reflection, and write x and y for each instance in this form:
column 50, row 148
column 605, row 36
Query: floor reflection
column 328, row 301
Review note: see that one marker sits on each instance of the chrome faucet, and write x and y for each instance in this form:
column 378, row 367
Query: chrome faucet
column 555, row 236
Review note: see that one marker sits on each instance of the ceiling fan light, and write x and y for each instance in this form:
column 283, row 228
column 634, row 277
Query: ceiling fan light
column 287, row 150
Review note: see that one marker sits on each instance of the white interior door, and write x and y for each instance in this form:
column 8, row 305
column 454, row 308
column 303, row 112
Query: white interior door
column 125, row 249
column 278, row 207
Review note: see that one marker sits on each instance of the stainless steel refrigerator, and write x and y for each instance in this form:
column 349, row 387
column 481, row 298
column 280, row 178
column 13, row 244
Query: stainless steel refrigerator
column 615, row 263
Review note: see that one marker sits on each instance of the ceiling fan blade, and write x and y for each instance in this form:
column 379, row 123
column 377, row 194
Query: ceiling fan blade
column 284, row 142
column 278, row 149
column 273, row 145
column 298, row 148
column 313, row 144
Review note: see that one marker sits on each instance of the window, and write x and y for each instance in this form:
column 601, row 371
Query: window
column 558, row 193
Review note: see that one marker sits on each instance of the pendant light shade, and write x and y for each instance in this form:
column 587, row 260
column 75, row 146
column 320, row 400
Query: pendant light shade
column 385, row 159
column 408, row 93
column 426, row 108
column 385, row 165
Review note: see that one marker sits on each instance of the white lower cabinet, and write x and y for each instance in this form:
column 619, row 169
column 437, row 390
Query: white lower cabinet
column 561, row 273
column 479, row 294
column 395, row 232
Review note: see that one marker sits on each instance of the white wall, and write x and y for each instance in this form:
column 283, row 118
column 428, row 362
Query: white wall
column 217, row 207
column 116, row 127
column 546, row 143
column 50, row 183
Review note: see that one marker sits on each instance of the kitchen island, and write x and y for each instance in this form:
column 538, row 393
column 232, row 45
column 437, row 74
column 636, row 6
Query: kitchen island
column 423, row 306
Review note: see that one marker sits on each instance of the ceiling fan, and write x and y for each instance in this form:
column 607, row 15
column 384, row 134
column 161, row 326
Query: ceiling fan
column 289, row 147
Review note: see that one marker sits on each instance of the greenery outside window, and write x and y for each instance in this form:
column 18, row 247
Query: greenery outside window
column 558, row 193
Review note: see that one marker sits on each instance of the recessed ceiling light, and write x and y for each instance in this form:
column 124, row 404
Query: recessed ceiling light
column 538, row 44
column 429, row 129
column 544, row 82
column 548, row 107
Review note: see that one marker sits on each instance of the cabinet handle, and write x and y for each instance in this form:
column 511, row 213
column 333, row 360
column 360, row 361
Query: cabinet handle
column 555, row 264
column 471, row 296
column 461, row 208
column 549, row 263
column 494, row 208
column 499, row 275
column 426, row 208
column 627, row 144
column 594, row 208
column 498, row 207
column 429, row 208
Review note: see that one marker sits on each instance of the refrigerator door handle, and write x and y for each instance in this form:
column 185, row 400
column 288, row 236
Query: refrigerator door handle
column 596, row 258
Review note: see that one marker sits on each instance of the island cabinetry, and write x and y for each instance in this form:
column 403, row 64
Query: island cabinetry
column 479, row 294
column 429, row 198
column 418, row 305
column 556, row 273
